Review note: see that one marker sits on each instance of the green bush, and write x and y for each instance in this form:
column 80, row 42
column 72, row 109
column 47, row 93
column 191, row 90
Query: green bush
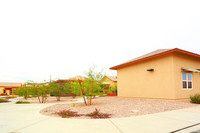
column 3, row 100
column 22, row 102
column 195, row 98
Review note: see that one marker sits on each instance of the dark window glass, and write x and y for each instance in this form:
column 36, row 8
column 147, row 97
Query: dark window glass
column 184, row 84
column 189, row 84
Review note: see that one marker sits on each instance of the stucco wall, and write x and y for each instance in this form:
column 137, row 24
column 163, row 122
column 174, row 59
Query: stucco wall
column 1, row 89
column 8, row 92
column 135, row 81
column 186, row 61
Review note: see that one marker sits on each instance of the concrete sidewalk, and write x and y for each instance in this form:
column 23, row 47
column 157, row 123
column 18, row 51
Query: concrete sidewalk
column 27, row 119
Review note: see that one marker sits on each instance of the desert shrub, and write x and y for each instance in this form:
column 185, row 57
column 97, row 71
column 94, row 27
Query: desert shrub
column 97, row 115
column 68, row 114
column 3, row 100
column 195, row 98
column 22, row 102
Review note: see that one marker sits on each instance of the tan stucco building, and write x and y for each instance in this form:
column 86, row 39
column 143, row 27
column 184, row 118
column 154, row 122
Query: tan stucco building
column 161, row 74
column 8, row 88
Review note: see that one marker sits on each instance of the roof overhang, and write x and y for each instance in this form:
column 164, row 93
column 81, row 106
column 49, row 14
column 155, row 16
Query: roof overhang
column 190, row 70
column 156, row 55
column 10, row 87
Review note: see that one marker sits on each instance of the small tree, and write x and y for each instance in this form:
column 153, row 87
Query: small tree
column 59, row 89
column 23, row 91
column 94, row 76
column 39, row 90
column 90, row 87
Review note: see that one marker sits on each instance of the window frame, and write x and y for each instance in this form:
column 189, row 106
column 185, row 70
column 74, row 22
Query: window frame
column 187, row 81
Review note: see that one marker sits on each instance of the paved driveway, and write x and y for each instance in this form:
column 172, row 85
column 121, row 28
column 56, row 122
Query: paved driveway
column 20, row 118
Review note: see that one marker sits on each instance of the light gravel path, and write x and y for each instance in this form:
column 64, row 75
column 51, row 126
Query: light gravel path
column 27, row 119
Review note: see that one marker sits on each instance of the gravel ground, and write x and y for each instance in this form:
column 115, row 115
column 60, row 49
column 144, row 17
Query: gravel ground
column 119, row 107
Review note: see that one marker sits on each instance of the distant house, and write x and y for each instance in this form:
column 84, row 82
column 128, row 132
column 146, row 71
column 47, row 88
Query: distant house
column 109, row 81
column 7, row 88
column 70, row 80
column 78, row 78
column 161, row 74
column 81, row 78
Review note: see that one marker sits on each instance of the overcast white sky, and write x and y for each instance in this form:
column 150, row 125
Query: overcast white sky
column 61, row 38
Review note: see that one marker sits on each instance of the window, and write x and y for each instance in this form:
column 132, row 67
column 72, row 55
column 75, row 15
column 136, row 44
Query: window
column 4, row 91
column 187, row 80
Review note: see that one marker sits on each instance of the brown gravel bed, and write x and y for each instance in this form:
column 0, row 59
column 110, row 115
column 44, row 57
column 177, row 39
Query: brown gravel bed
column 119, row 107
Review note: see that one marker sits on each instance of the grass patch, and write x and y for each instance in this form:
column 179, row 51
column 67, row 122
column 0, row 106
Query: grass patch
column 22, row 102
column 195, row 98
column 68, row 114
column 102, row 95
column 8, row 97
column 97, row 115
column 3, row 100
column 29, row 96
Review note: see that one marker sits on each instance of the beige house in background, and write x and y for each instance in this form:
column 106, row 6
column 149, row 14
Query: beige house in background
column 82, row 78
column 161, row 74
column 109, row 81
column 8, row 88
column 78, row 78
